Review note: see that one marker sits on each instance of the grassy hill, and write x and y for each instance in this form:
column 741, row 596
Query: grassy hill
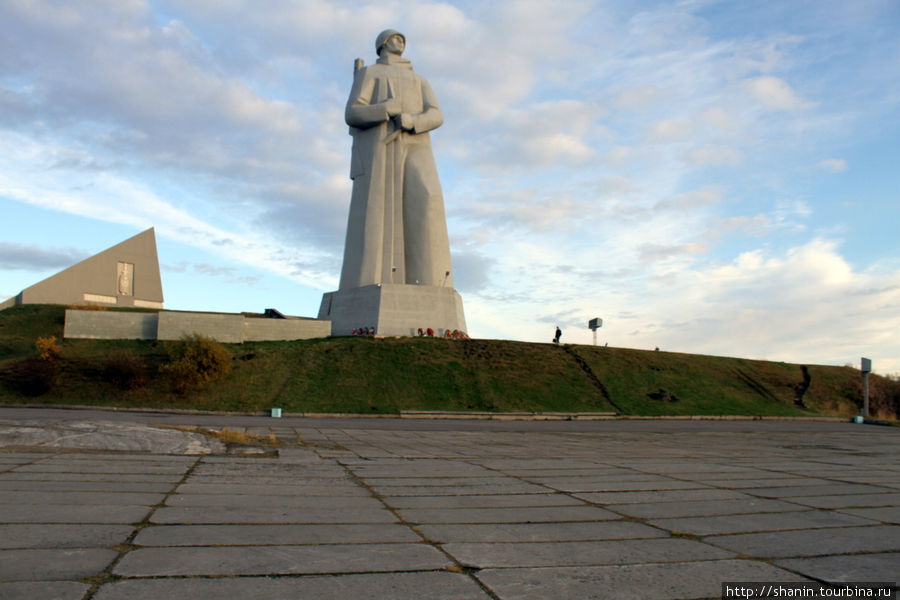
column 366, row 375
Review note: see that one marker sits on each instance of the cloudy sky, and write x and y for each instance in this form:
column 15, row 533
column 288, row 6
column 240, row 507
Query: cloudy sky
column 707, row 176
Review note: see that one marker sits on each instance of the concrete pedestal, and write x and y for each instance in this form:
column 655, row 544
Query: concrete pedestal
column 394, row 309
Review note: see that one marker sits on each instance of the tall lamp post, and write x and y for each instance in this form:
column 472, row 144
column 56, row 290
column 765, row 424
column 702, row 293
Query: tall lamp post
column 594, row 325
column 865, row 367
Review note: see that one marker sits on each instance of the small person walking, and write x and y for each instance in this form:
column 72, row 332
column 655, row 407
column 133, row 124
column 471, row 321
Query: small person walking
column 558, row 335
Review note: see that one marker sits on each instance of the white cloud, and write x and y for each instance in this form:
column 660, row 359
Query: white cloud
column 762, row 305
column 620, row 154
column 535, row 136
column 719, row 118
column 714, row 155
column 835, row 165
column 703, row 197
column 776, row 94
column 637, row 99
column 757, row 225
column 669, row 129
column 22, row 256
column 659, row 252
column 109, row 197
column 788, row 212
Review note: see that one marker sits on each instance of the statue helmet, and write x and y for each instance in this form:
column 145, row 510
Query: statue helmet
column 384, row 36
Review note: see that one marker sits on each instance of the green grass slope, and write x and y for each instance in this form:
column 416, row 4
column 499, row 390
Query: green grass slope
column 366, row 375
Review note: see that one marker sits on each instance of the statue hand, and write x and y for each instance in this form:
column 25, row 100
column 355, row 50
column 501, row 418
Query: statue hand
column 405, row 122
column 393, row 106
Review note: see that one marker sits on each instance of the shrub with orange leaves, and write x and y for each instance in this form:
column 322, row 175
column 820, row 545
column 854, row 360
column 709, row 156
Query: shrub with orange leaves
column 47, row 348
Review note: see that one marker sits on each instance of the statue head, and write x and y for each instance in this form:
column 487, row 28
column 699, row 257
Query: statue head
column 386, row 35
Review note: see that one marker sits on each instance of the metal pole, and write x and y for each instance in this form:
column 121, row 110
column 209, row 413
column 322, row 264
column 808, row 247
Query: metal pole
column 865, row 367
column 865, row 395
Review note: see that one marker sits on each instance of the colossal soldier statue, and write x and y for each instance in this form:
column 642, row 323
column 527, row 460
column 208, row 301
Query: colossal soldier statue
column 396, row 269
column 397, row 232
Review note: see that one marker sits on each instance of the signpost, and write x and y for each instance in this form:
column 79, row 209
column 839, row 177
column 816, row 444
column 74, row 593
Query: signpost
column 594, row 325
column 865, row 367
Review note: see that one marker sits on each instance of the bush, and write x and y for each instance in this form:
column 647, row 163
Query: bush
column 125, row 369
column 884, row 398
column 37, row 375
column 47, row 348
column 195, row 361
column 33, row 376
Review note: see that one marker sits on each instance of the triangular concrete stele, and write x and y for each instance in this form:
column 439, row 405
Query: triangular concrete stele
column 126, row 274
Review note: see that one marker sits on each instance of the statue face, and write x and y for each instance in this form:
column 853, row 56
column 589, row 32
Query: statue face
column 395, row 44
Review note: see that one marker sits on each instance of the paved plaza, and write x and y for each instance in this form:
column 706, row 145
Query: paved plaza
column 456, row 511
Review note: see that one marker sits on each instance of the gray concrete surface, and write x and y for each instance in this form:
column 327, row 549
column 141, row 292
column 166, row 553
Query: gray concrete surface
column 104, row 435
column 388, row 510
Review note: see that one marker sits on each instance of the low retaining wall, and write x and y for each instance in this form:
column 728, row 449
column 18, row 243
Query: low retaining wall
column 170, row 325
column 220, row 327
column 261, row 330
column 110, row 325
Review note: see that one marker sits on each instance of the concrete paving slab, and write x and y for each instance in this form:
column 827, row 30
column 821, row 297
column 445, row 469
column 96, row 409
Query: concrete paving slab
column 673, row 581
column 8, row 459
column 281, row 501
column 420, row 468
column 286, row 455
column 280, row 560
column 703, row 507
column 759, row 522
column 743, row 484
column 302, row 473
column 369, row 586
column 539, row 532
column 770, row 478
column 94, row 477
column 541, row 554
column 226, row 514
column 887, row 478
column 887, row 514
column 45, row 590
column 62, row 536
column 487, row 479
column 812, row 542
column 830, row 489
column 849, row 501
column 273, row 535
column 283, row 489
column 71, row 497
column 292, row 481
column 53, row 564
column 659, row 496
column 538, row 463
column 58, row 513
column 597, row 471
column 512, row 487
column 482, row 501
column 595, row 484
column 847, row 568
column 274, row 471
column 570, row 470
column 105, row 458
column 25, row 485
column 683, row 468
column 507, row 515
column 111, row 468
